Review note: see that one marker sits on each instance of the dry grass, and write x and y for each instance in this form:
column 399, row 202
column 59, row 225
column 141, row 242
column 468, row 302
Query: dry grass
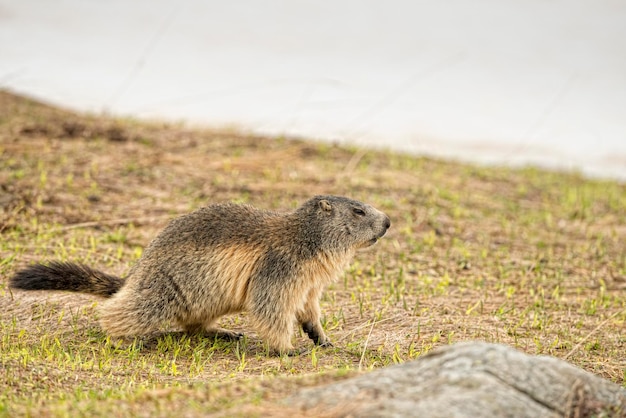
column 529, row 258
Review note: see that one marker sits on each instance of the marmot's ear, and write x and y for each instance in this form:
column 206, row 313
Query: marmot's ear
column 325, row 205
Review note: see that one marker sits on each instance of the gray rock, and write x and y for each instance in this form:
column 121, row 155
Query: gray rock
column 470, row 380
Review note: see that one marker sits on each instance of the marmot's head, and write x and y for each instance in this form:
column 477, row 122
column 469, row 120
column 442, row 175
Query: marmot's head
column 344, row 223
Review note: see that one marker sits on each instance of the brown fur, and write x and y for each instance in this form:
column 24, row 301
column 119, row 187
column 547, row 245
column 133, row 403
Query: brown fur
column 228, row 258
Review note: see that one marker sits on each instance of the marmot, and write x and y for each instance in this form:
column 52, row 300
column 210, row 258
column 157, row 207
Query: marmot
column 226, row 258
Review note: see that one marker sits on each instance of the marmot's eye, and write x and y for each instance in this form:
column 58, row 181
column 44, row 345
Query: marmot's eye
column 358, row 211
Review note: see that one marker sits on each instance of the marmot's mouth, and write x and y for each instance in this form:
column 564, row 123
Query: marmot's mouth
column 369, row 243
column 373, row 240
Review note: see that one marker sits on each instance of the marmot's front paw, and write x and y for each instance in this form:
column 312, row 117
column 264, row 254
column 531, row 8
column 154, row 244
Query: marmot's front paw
column 326, row 343
column 315, row 333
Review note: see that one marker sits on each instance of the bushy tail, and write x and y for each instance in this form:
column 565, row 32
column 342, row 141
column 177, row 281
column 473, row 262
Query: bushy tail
column 66, row 276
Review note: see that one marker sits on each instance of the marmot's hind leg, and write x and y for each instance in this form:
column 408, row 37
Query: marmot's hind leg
column 129, row 323
column 127, row 314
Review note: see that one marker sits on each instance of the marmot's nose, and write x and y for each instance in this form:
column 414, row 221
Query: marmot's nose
column 387, row 222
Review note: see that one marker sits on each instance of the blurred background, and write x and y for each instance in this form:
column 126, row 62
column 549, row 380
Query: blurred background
column 511, row 82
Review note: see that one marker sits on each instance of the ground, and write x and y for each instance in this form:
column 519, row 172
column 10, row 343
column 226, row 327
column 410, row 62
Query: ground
column 525, row 257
